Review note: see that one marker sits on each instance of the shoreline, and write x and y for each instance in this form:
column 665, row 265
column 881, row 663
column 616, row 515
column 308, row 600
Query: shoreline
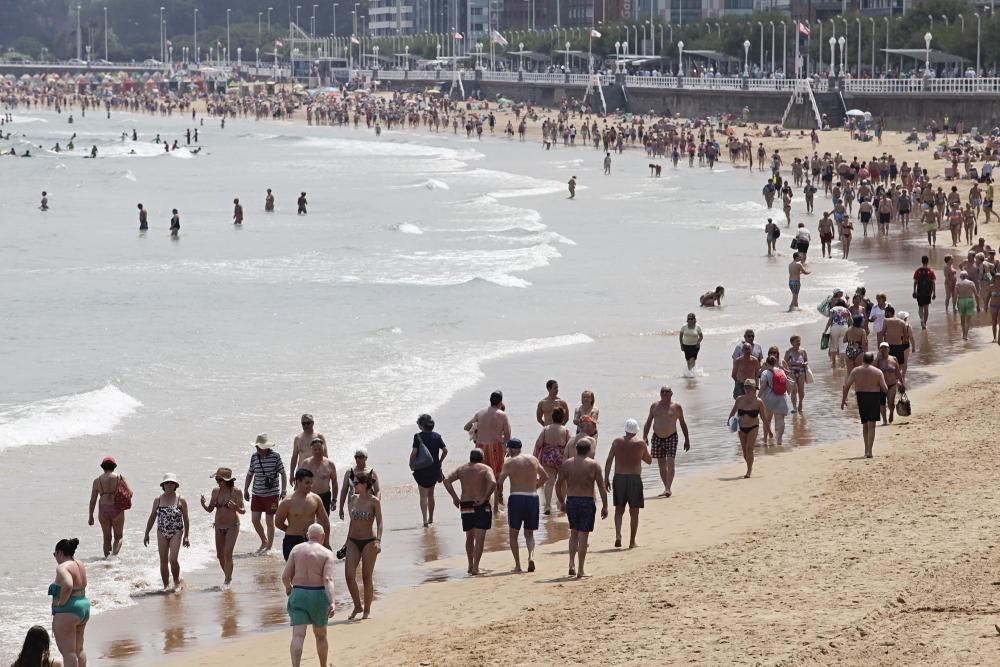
column 210, row 568
column 700, row 571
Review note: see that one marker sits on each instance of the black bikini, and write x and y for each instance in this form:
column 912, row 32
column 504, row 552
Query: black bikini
column 748, row 413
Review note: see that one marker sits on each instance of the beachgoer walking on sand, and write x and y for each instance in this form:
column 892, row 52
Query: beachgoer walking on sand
column 347, row 490
column 662, row 420
column 170, row 514
column 478, row 486
column 870, row 389
column 924, row 289
column 771, row 232
column 795, row 273
column 490, row 429
column 227, row 503
column 690, row 338
column 748, row 409
column 549, row 449
column 364, row 545
column 526, row 476
column 308, row 580
column 627, row 453
column 797, row 360
column 325, row 484
column 967, row 297
column 575, row 488
column 302, row 444
column 774, row 394
column 572, row 187
column 266, row 468
column 428, row 476
column 70, row 606
column 108, row 492
column 892, row 372
column 299, row 511
column 44, row 205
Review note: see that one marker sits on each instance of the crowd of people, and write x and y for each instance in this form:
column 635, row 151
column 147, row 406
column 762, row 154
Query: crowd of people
column 500, row 475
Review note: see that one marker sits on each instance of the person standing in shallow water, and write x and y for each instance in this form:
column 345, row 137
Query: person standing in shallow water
column 572, row 187
column 237, row 212
column 428, row 477
column 227, row 503
column 143, row 219
column 302, row 204
column 170, row 514
column 269, row 202
column 103, row 495
column 70, row 606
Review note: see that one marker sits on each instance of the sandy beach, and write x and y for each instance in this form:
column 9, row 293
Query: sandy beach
column 823, row 558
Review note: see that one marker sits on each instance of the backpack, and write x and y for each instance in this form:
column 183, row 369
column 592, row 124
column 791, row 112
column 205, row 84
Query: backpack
column 923, row 281
column 779, row 382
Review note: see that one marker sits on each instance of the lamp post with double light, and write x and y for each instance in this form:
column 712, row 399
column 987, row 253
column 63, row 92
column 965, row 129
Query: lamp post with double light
column 746, row 58
column 927, row 53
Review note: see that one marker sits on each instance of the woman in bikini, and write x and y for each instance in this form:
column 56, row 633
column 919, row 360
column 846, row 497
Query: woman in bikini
column 363, row 544
column 797, row 361
column 348, row 492
column 170, row 514
column 749, row 409
column 993, row 301
column 227, row 503
column 70, row 606
column 587, row 408
column 550, row 448
column 102, row 498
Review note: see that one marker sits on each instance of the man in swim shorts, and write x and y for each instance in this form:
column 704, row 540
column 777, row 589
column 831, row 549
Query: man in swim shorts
column 967, row 297
column 325, row 483
column 575, row 490
column 526, row 476
column 870, row 389
column 300, row 510
column 628, row 453
column 490, row 429
column 795, row 272
column 308, row 579
column 663, row 418
column 478, row 486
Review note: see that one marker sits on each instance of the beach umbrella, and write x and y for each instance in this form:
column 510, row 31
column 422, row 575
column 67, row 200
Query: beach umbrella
column 855, row 112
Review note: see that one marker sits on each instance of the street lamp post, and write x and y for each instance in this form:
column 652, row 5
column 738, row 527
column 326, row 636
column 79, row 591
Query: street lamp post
column 680, row 59
column 746, row 58
column 858, row 66
column 335, row 5
column 269, row 10
column 618, row 57
column 761, row 24
column 105, row 33
column 643, row 39
column 567, row 56
column 260, row 24
column 79, row 38
column 833, row 57
column 228, row 45
column 520, row 49
column 163, row 55
column 842, row 42
column 927, row 53
column 820, row 66
column 197, row 53
column 886, row 70
column 772, row 47
column 979, row 34
column 845, row 68
column 872, row 19
column 961, row 17
column 784, row 48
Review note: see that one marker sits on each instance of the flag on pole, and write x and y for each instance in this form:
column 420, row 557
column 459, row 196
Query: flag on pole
column 458, row 35
column 278, row 44
column 499, row 39
column 595, row 34
column 804, row 29
column 355, row 40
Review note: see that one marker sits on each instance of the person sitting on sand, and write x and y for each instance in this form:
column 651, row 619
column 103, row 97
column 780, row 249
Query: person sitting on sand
column 35, row 650
column 713, row 298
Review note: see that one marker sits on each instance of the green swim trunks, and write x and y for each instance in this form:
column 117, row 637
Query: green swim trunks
column 308, row 605
column 966, row 306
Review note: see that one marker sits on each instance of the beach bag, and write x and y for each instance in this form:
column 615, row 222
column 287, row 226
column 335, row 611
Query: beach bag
column 810, row 378
column 423, row 458
column 123, row 495
column 777, row 233
column 734, row 424
column 795, row 244
column 779, row 382
column 824, row 308
column 903, row 405
column 824, row 342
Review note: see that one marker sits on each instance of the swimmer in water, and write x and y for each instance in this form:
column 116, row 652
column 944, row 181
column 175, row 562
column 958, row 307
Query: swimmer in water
column 237, row 212
column 143, row 219
column 714, row 298
column 269, row 202
column 175, row 224
column 302, row 204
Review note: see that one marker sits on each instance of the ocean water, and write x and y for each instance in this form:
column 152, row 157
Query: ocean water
column 429, row 270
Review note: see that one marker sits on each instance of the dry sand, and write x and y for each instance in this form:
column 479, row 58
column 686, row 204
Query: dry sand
column 823, row 558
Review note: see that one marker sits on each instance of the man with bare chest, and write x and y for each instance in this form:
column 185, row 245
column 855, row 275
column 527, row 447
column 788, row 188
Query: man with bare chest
column 490, row 429
column 575, row 488
column 664, row 416
column 325, row 483
column 302, row 446
column 526, row 475
column 871, row 390
column 298, row 511
column 478, row 486
column 543, row 413
column 627, row 453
